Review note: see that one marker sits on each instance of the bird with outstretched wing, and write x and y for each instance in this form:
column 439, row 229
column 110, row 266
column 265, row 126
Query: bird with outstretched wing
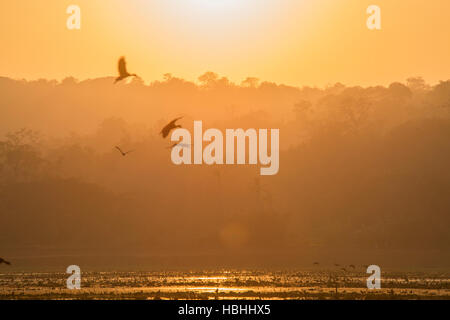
column 123, row 153
column 169, row 127
column 123, row 73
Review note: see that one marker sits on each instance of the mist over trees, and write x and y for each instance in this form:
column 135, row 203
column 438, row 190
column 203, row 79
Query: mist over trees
column 363, row 172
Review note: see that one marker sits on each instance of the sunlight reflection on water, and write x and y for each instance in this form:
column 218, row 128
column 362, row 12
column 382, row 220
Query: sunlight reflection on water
column 224, row 285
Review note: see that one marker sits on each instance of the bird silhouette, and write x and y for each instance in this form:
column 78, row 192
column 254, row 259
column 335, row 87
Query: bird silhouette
column 316, row 263
column 123, row 73
column 171, row 125
column 123, row 153
column 4, row 261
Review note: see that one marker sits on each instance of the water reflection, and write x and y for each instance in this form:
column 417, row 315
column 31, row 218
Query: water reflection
column 225, row 285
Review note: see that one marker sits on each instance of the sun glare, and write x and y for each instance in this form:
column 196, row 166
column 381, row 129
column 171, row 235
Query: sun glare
column 218, row 4
column 219, row 8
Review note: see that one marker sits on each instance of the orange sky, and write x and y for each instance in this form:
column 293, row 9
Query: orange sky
column 297, row 42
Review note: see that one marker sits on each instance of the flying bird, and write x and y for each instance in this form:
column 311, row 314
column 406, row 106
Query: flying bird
column 166, row 130
column 316, row 263
column 123, row 153
column 4, row 261
column 123, row 73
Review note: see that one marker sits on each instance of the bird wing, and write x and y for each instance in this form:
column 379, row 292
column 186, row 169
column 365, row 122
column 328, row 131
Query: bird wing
column 165, row 131
column 173, row 121
column 183, row 145
column 119, row 150
column 174, row 145
column 122, row 66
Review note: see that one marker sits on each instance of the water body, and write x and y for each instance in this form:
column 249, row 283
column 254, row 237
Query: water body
column 225, row 284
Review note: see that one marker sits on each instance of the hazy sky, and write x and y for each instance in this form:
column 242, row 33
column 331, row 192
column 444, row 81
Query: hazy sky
column 297, row 42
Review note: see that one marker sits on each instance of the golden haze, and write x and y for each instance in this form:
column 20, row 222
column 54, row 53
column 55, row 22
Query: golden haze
column 296, row 42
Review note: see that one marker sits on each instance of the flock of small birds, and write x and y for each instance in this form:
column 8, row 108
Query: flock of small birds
column 123, row 74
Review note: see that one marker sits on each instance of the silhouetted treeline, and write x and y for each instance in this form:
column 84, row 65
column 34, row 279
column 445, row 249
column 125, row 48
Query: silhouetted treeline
column 362, row 170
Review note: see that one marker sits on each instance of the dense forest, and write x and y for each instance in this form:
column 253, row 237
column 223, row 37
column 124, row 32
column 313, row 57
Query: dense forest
column 364, row 172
